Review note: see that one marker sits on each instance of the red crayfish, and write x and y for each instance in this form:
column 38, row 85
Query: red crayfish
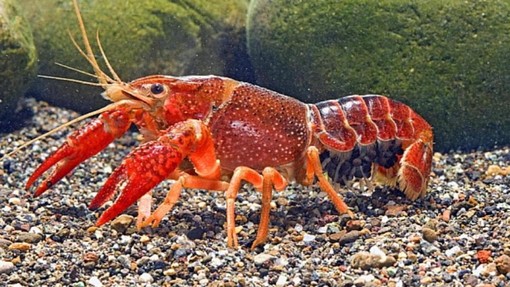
column 215, row 133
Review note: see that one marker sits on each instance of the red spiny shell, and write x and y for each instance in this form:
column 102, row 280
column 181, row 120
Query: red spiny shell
column 371, row 117
column 258, row 128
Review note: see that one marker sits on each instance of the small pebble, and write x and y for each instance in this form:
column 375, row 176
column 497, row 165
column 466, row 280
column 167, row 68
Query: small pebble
column 429, row 234
column 21, row 246
column 6, row 267
column 145, row 239
column 308, row 237
column 261, row 258
column 145, row 278
column 122, row 222
column 503, row 264
column 95, row 282
column 282, row 280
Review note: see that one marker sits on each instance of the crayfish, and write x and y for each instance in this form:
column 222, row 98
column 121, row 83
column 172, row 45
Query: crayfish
column 231, row 132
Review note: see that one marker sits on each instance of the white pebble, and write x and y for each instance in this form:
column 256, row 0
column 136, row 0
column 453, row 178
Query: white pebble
column 308, row 237
column 322, row 229
column 6, row 267
column 125, row 239
column 261, row 258
column 15, row 201
column 145, row 278
column 364, row 279
column 298, row 227
column 94, row 281
column 453, row 185
column 281, row 261
column 216, row 262
column 36, row 230
column 478, row 270
column 452, row 251
column 377, row 251
column 282, row 280
column 98, row 234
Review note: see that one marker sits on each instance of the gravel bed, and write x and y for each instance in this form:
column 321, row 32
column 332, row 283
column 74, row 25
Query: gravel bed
column 458, row 235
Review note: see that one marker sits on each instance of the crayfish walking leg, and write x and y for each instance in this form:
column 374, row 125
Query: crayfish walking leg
column 314, row 168
column 264, row 183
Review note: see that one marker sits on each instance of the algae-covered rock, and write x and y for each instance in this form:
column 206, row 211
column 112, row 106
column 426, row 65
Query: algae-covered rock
column 17, row 56
column 449, row 60
column 139, row 37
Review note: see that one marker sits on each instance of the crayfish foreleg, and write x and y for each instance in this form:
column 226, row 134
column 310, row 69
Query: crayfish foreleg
column 80, row 145
column 154, row 161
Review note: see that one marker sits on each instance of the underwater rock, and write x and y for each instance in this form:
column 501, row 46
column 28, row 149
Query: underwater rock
column 140, row 38
column 18, row 57
column 448, row 60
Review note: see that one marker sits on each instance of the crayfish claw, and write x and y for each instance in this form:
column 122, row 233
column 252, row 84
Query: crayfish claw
column 64, row 165
column 142, row 170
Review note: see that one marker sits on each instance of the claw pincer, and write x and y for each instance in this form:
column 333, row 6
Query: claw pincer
column 151, row 163
column 142, row 170
column 79, row 146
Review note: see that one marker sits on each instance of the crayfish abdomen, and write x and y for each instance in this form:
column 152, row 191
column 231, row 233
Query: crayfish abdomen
column 366, row 134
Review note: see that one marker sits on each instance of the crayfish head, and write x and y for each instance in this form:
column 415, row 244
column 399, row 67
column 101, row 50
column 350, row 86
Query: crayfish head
column 127, row 91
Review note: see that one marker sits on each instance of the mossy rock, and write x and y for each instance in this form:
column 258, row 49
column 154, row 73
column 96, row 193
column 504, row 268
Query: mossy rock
column 17, row 57
column 140, row 38
column 449, row 60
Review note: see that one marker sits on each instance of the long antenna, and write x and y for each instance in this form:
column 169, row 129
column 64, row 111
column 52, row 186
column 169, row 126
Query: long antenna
column 100, row 75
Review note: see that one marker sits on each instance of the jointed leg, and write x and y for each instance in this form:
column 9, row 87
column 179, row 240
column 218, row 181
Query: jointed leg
column 240, row 173
column 144, row 208
column 184, row 181
column 314, row 168
column 271, row 177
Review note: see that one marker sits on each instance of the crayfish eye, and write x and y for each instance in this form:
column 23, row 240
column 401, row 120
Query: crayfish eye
column 157, row 89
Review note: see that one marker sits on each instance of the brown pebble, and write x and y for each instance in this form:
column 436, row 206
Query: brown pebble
column 354, row 225
column 349, row 237
column 241, row 218
column 493, row 170
column 395, row 210
column 503, row 264
column 90, row 257
column 92, row 229
column 29, row 237
column 16, row 260
column 429, row 234
column 414, row 238
column 21, row 246
column 298, row 238
column 366, row 261
column 337, row 236
column 446, row 215
column 432, row 224
column 121, row 223
column 282, row 201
